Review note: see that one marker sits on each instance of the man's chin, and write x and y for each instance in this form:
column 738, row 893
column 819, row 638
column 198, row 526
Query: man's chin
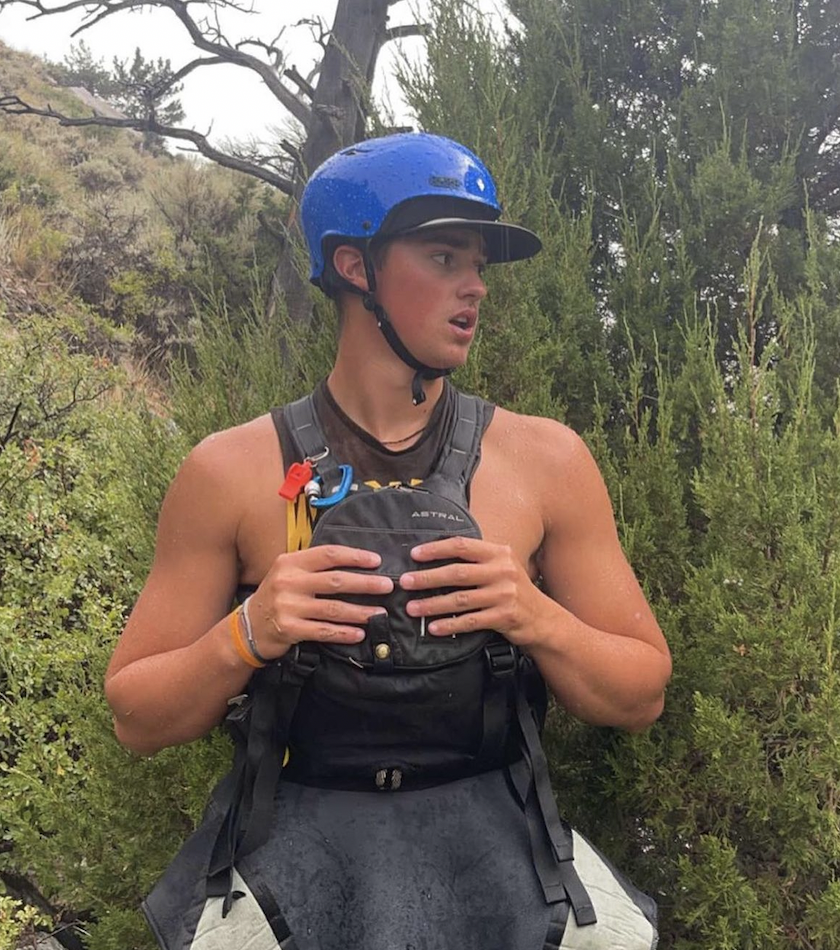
column 455, row 356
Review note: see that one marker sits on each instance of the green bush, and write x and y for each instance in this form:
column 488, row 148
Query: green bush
column 81, row 473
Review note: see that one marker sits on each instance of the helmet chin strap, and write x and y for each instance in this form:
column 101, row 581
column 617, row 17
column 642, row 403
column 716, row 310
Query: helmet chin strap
column 423, row 371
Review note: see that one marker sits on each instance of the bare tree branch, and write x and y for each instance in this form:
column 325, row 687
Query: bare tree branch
column 186, row 70
column 14, row 105
column 319, row 30
column 315, row 71
column 272, row 81
column 295, row 154
column 92, row 18
column 277, row 54
column 410, row 29
column 42, row 10
column 300, row 82
column 96, row 12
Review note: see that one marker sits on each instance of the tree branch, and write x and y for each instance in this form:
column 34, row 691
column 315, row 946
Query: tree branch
column 410, row 29
column 323, row 32
column 10, row 429
column 96, row 12
column 299, row 81
column 186, row 70
column 278, row 57
column 14, row 105
column 272, row 81
column 296, row 156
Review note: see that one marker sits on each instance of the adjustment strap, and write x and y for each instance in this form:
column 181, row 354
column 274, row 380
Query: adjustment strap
column 423, row 371
column 260, row 729
column 502, row 660
column 274, row 915
column 264, row 762
column 544, row 821
column 460, row 456
column 556, row 926
column 308, row 435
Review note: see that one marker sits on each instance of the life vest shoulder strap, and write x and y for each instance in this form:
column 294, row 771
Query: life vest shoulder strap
column 457, row 461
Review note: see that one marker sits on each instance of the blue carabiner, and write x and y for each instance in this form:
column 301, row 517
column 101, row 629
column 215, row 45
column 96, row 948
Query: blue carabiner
column 340, row 493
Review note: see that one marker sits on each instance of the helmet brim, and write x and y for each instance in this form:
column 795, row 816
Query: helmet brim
column 503, row 242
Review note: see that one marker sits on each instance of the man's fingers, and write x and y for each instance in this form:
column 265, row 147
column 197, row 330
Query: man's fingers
column 455, row 602
column 323, row 632
column 328, row 557
column 449, row 575
column 348, row 582
column 467, row 549
column 341, row 612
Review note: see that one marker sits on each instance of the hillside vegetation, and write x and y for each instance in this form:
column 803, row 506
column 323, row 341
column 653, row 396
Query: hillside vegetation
column 88, row 217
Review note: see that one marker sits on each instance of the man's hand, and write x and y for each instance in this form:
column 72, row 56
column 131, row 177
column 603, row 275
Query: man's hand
column 296, row 600
column 494, row 592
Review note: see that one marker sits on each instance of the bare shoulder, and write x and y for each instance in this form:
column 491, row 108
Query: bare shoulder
column 220, row 475
column 555, row 462
column 221, row 455
column 534, row 434
column 544, row 446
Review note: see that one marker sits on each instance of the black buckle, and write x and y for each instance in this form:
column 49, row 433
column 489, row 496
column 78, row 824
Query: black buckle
column 501, row 658
column 301, row 662
column 239, row 708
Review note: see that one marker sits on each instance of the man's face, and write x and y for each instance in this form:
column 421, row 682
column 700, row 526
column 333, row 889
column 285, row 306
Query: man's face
column 430, row 286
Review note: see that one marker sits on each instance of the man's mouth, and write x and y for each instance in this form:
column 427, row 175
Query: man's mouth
column 465, row 320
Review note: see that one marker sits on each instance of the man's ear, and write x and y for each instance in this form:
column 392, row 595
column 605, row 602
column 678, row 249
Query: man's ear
column 350, row 264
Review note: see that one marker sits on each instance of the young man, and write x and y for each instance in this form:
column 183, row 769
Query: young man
column 400, row 230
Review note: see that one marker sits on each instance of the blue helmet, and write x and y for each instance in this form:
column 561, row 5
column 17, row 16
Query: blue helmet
column 402, row 183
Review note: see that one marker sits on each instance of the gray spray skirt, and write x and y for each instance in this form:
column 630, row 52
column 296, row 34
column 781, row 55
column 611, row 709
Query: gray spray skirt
column 431, row 869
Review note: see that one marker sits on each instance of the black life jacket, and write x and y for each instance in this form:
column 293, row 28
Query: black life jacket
column 401, row 709
column 404, row 707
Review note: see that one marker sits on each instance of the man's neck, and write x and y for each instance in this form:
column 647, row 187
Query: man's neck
column 376, row 395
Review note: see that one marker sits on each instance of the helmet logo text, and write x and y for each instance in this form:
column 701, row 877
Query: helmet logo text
column 441, row 181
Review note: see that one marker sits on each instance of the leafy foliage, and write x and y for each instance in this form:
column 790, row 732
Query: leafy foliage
column 138, row 90
column 80, row 68
column 78, row 483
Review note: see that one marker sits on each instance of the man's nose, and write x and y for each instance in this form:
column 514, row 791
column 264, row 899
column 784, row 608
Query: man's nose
column 474, row 285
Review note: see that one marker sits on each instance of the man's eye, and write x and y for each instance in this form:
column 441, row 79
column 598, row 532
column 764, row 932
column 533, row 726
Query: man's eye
column 442, row 257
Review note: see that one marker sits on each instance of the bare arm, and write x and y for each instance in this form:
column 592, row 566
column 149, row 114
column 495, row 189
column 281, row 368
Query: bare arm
column 590, row 630
column 175, row 666
column 595, row 638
